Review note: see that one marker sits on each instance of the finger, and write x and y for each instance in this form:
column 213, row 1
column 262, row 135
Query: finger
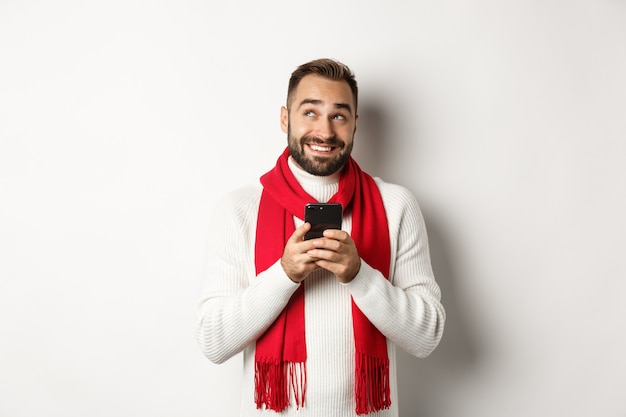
column 323, row 254
column 336, row 234
column 298, row 234
column 327, row 243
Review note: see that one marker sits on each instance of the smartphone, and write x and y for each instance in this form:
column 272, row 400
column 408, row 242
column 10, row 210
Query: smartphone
column 322, row 216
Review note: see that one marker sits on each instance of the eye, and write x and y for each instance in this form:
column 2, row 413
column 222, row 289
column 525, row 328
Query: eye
column 339, row 117
column 309, row 113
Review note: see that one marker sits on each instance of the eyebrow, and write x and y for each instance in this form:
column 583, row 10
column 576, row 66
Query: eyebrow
column 317, row 102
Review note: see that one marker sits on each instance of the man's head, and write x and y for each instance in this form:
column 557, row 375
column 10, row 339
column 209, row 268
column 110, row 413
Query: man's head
column 320, row 116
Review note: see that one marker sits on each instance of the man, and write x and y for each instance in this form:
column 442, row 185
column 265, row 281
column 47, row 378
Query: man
column 318, row 320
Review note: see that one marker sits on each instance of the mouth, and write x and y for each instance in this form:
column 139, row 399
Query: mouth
column 322, row 149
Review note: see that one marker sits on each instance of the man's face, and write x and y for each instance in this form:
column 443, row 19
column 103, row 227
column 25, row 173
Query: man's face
column 320, row 124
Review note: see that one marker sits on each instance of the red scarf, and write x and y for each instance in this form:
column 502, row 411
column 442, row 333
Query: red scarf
column 280, row 360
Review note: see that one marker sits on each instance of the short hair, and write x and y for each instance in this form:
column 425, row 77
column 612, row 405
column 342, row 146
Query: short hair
column 327, row 68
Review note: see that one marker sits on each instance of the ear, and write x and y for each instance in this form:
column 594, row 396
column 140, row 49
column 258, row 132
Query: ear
column 284, row 119
column 356, row 118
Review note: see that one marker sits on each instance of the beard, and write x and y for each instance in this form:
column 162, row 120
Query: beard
column 318, row 165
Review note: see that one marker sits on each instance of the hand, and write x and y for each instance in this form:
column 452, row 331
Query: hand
column 337, row 253
column 295, row 261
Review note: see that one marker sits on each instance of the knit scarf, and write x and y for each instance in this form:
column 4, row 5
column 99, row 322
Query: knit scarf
column 280, row 358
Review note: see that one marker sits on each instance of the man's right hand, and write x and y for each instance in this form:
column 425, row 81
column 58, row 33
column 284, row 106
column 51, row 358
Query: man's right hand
column 295, row 261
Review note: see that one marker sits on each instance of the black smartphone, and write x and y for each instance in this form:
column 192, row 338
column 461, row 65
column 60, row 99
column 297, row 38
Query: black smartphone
column 322, row 216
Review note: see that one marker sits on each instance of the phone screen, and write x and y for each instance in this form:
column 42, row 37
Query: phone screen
column 322, row 216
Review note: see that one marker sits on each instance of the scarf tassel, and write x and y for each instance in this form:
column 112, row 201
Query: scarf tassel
column 275, row 381
column 372, row 390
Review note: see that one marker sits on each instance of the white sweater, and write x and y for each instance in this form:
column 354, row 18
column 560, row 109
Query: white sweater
column 236, row 306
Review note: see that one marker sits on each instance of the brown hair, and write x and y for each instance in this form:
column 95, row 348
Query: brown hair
column 327, row 68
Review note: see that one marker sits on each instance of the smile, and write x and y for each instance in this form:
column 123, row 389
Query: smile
column 320, row 148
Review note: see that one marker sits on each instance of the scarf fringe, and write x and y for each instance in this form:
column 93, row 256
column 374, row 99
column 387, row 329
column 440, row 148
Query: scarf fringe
column 276, row 381
column 372, row 389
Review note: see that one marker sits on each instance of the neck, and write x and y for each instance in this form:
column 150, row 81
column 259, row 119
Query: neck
column 322, row 188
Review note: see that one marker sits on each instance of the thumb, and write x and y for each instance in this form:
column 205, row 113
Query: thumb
column 298, row 234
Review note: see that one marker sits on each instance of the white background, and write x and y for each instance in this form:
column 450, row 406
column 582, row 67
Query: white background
column 121, row 122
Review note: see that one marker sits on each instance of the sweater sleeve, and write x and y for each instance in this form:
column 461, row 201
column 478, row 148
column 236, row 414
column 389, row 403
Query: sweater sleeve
column 236, row 306
column 407, row 307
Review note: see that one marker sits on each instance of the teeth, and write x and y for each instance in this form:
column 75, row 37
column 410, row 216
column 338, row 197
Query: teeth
column 321, row 148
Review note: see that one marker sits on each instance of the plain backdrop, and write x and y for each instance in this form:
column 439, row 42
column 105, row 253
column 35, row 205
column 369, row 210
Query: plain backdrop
column 122, row 122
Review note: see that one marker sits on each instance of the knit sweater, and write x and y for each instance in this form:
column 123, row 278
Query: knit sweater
column 236, row 306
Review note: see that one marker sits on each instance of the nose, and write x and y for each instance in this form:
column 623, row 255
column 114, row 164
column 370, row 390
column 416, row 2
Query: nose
column 324, row 128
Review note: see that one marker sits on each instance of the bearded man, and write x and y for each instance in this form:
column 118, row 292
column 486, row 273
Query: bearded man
column 318, row 320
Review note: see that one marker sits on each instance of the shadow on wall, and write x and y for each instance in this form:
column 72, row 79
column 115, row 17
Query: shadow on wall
column 424, row 384
column 370, row 139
